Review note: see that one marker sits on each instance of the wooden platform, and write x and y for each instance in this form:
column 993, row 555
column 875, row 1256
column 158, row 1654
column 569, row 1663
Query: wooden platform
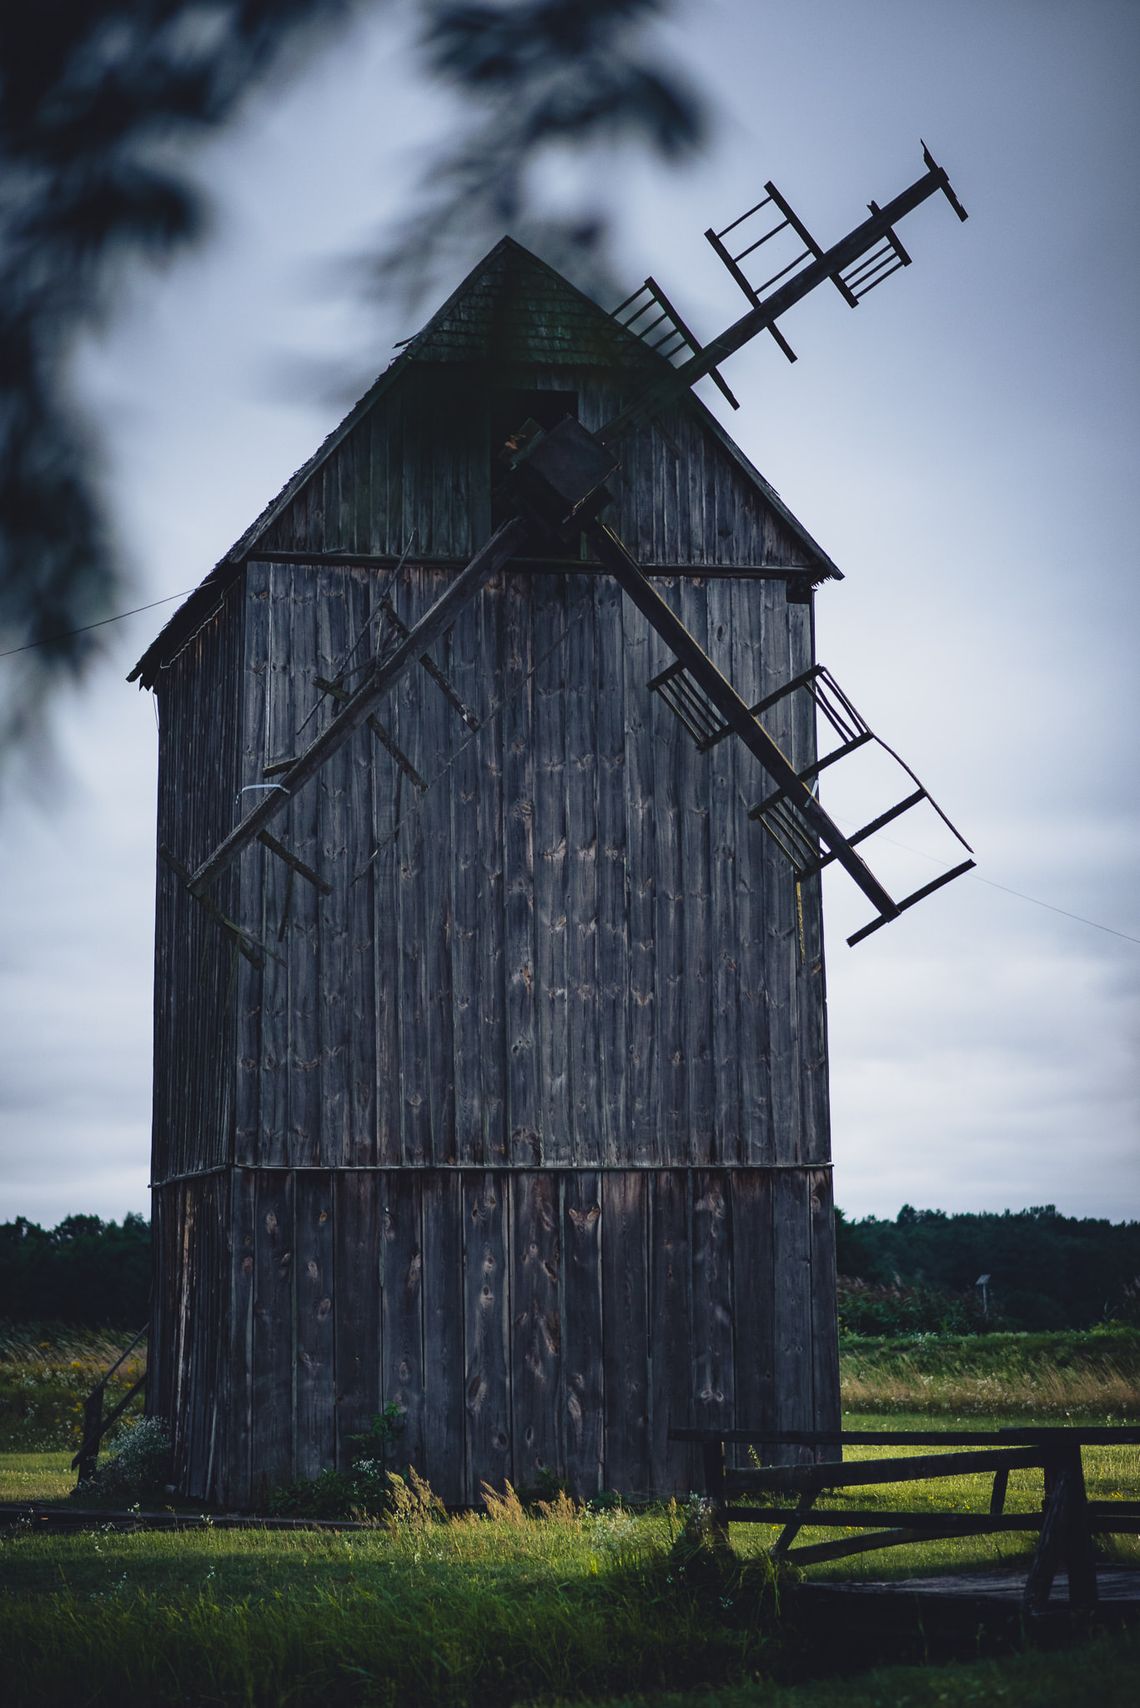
column 965, row 1614
column 1116, row 1587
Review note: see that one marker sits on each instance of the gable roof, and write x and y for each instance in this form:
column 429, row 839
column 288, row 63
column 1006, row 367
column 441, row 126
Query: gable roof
column 500, row 312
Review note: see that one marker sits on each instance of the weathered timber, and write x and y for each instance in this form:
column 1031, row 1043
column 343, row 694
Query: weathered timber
column 792, row 573
column 915, row 1469
column 540, row 1044
column 487, row 1365
column 384, row 677
column 581, row 1332
column 734, row 710
column 763, row 317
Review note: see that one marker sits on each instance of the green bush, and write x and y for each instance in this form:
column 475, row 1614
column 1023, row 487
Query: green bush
column 867, row 1309
column 139, row 1468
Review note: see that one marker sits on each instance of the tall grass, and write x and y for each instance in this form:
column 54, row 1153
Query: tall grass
column 510, row 1606
column 1086, row 1374
column 46, row 1373
column 473, row 1611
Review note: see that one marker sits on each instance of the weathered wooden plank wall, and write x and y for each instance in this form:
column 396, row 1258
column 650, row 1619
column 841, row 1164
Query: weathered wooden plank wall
column 528, row 1323
column 526, row 1127
column 195, row 991
column 559, row 958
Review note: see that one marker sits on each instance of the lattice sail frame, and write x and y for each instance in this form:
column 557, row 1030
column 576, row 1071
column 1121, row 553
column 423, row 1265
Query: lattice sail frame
column 780, row 815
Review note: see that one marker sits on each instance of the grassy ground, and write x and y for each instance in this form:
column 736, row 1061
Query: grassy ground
column 1101, row 1674
column 36, row 1476
column 568, row 1605
column 1049, row 1377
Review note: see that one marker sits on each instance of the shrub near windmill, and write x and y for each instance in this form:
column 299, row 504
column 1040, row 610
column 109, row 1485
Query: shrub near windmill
column 491, row 1081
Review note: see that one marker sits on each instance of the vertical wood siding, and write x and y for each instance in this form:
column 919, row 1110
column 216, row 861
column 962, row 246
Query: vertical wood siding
column 574, row 946
column 529, row 1324
column 524, row 1127
column 196, row 1001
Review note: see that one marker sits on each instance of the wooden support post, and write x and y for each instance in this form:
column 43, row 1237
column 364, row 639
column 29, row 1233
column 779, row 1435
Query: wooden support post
column 1080, row 1555
column 1065, row 1533
column 997, row 1498
column 712, row 1458
column 84, row 1461
column 95, row 1425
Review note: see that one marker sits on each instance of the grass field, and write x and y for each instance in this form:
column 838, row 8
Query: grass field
column 565, row 1605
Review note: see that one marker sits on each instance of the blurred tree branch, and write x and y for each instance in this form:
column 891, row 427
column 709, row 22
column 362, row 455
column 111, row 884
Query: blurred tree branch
column 98, row 104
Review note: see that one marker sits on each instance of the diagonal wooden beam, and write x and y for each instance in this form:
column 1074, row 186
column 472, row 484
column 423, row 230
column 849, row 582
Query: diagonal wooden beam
column 735, row 711
column 381, row 679
column 763, row 318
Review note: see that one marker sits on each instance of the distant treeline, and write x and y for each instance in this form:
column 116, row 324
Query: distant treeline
column 84, row 1271
column 923, row 1271
column 916, row 1274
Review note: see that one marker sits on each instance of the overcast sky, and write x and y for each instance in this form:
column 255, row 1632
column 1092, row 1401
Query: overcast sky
column 965, row 446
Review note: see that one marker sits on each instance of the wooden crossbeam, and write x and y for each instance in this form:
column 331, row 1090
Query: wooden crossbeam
column 245, row 943
column 294, row 862
column 917, row 1468
column 1042, row 1435
column 338, row 691
column 431, row 667
column 380, row 681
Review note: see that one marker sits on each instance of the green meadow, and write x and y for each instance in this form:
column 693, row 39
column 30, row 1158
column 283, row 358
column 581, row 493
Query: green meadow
column 552, row 1603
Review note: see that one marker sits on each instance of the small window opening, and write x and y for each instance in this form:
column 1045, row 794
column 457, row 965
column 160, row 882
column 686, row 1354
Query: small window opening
column 509, row 409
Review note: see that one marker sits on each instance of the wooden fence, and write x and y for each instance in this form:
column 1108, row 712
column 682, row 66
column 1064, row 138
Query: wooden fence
column 1067, row 1521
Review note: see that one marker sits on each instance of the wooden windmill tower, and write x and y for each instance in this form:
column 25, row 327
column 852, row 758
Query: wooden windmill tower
column 490, row 1042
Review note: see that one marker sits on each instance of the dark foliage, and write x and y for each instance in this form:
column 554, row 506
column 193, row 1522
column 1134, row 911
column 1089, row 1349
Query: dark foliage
column 83, row 1271
column 99, row 105
column 868, row 1308
column 1045, row 1270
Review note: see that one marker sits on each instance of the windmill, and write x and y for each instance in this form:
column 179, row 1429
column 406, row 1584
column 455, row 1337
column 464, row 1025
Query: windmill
column 491, row 1059
column 559, row 482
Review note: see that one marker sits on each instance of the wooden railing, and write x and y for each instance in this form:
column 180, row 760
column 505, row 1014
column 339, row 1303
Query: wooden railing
column 95, row 1422
column 1066, row 1523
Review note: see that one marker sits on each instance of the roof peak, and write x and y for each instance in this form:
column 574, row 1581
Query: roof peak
column 487, row 318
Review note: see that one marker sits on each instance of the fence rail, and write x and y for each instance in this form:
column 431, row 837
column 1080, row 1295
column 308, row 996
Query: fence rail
column 1067, row 1522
